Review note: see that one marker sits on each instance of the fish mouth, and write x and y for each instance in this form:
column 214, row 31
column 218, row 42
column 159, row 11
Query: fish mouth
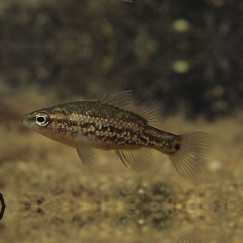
column 25, row 119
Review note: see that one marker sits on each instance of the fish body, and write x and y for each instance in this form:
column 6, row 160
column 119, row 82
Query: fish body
column 115, row 123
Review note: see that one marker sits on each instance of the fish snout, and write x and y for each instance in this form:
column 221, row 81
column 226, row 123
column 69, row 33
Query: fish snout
column 26, row 119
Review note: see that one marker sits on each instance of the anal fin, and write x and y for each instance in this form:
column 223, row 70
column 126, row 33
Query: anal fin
column 138, row 159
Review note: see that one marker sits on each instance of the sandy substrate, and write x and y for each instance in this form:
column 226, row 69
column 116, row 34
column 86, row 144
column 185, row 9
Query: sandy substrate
column 51, row 197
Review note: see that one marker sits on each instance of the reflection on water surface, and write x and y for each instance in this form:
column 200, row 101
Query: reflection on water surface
column 51, row 197
column 53, row 201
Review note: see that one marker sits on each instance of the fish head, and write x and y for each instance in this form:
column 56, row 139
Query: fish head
column 38, row 121
column 50, row 122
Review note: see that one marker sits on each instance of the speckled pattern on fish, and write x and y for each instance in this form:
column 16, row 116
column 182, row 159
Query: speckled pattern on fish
column 115, row 123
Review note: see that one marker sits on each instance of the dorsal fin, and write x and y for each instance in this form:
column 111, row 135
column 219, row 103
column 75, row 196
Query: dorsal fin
column 149, row 110
column 123, row 100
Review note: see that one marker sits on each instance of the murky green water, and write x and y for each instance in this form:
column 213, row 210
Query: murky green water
column 182, row 54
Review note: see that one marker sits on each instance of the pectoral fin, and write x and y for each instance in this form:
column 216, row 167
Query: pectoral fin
column 88, row 157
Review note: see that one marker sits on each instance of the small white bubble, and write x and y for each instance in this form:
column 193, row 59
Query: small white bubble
column 214, row 165
column 141, row 191
column 181, row 66
column 141, row 221
column 181, row 25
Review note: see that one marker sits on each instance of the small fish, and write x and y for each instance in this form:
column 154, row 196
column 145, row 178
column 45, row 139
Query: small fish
column 115, row 123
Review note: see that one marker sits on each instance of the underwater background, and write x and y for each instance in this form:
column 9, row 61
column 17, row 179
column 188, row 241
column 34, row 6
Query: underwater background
column 186, row 55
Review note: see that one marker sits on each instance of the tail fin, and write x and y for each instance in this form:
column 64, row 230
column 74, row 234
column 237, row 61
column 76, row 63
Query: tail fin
column 192, row 155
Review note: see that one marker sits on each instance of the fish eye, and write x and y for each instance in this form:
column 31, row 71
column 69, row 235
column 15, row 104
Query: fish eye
column 42, row 120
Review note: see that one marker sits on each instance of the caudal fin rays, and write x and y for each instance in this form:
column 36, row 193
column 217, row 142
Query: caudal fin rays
column 190, row 159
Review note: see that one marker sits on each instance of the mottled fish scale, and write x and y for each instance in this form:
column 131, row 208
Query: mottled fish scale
column 115, row 123
column 114, row 129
